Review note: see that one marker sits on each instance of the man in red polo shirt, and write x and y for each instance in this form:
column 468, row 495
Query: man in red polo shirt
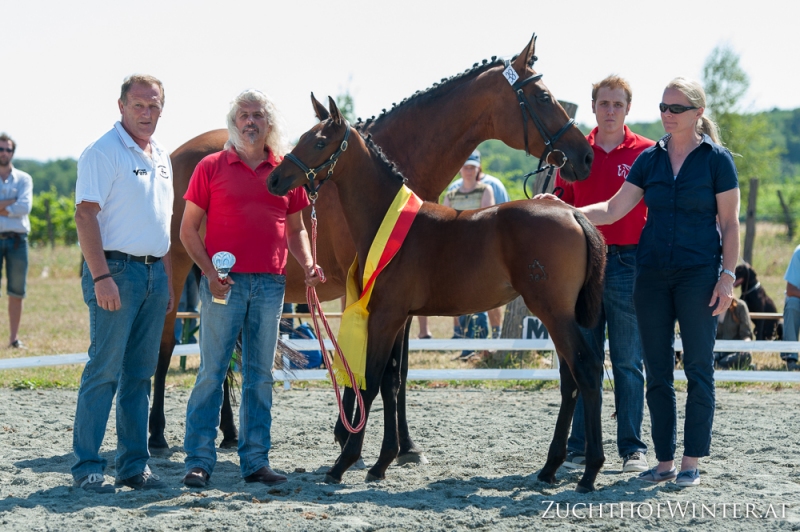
column 615, row 149
column 243, row 218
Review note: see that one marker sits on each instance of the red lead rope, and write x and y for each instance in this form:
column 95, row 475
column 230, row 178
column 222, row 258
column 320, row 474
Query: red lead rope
column 315, row 306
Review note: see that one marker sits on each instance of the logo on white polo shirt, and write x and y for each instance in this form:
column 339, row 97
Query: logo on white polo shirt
column 139, row 172
column 162, row 171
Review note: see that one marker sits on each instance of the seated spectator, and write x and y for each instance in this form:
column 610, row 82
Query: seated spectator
column 471, row 194
column 734, row 324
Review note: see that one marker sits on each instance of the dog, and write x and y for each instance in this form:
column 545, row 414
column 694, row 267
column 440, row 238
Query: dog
column 757, row 301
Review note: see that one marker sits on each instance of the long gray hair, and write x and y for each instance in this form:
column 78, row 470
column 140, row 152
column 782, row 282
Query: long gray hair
column 697, row 96
column 276, row 139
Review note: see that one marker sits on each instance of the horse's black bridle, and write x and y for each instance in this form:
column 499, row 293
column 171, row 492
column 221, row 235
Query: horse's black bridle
column 312, row 174
column 526, row 109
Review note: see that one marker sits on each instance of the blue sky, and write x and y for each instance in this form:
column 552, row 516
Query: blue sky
column 65, row 60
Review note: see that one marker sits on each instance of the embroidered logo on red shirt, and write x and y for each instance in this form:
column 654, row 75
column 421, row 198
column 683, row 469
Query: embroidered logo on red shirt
column 623, row 170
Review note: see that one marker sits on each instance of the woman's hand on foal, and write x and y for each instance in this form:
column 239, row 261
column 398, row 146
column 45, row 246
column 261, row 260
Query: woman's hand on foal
column 548, row 197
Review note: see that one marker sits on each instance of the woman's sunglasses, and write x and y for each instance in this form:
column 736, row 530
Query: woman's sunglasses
column 674, row 108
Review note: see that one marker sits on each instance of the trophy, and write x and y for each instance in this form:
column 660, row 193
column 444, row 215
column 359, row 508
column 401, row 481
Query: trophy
column 223, row 262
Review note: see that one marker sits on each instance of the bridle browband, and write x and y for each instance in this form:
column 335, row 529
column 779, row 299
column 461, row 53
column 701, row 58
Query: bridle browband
column 311, row 189
column 527, row 110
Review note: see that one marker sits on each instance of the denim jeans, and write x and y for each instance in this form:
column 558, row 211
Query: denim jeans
column 254, row 307
column 661, row 297
column 625, row 351
column 16, row 260
column 122, row 358
column 791, row 324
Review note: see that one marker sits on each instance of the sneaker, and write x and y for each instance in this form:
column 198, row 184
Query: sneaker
column 654, row 477
column 16, row 344
column 688, row 478
column 146, row 480
column 635, row 463
column 575, row 461
column 94, row 482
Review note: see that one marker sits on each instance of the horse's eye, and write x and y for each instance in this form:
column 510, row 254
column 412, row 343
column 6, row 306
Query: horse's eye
column 320, row 145
column 544, row 97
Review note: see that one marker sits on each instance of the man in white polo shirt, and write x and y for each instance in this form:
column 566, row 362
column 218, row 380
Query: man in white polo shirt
column 123, row 210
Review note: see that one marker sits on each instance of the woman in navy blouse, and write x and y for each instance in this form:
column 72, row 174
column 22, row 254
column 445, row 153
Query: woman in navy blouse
column 684, row 272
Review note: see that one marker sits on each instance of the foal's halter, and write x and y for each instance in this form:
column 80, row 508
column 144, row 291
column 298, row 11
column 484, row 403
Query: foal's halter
column 526, row 109
column 312, row 174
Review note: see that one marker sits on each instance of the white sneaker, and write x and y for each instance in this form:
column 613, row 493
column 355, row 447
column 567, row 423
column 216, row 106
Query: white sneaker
column 635, row 463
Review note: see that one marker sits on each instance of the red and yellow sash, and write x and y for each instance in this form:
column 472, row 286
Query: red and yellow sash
column 353, row 330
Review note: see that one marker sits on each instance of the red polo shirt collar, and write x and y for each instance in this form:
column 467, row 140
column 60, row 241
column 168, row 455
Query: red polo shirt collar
column 233, row 157
column 628, row 142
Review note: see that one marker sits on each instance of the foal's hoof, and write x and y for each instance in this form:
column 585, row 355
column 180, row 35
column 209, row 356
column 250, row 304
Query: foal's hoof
column 330, row 479
column 584, row 489
column 226, row 443
column 373, row 478
column 412, row 457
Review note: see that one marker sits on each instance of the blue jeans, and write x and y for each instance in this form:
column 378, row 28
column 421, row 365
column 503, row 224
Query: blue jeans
column 791, row 324
column 16, row 264
column 254, row 307
column 625, row 351
column 661, row 297
column 122, row 358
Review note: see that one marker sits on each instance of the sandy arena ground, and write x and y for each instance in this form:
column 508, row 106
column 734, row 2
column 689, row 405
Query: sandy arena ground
column 484, row 447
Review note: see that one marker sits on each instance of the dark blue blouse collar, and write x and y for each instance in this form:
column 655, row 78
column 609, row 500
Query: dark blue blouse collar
column 705, row 139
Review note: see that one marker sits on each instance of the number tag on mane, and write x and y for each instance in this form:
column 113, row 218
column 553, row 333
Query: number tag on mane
column 511, row 75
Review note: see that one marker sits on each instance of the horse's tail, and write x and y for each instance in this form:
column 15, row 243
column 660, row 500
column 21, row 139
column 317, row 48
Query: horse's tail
column 590, row 298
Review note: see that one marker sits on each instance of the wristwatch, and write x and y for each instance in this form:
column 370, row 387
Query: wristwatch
column 733, row 275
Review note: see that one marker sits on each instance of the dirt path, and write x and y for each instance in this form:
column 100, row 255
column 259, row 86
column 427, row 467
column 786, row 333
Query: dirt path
column 484, row 447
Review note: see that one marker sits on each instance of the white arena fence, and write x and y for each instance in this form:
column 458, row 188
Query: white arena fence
column 469, row 374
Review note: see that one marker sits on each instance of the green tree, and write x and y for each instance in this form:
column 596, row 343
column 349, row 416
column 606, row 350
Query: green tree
column 61, row 212
column 346, row 105
column 747, row 136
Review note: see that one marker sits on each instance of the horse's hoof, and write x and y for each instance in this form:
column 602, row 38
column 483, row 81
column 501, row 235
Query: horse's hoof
column 373, row 478
column 583, row 489
column 229, row 444
column 411, row 457
column 160, row 451
column 549, row 479
column 359, row 464
column 329, row 479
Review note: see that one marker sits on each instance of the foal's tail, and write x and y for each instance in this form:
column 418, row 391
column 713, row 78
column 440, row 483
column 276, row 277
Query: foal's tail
column 590, row 298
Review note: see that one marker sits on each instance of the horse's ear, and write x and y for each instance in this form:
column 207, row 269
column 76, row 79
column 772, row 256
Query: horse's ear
column 336, row 115
column 523, row 60
column 319, row 109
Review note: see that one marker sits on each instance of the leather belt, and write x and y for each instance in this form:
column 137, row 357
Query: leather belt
column 10, row 234
column 612, row 249
column 118, row 255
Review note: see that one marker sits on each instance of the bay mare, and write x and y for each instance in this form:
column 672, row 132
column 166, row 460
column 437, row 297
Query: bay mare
column 548, row 253
column 429, row 136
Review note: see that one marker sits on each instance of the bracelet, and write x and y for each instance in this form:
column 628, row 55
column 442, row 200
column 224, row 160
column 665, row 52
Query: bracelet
column 733, row 275
column 101, row 277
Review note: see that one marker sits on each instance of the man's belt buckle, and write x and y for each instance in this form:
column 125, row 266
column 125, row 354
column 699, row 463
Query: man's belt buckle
column 149, row 259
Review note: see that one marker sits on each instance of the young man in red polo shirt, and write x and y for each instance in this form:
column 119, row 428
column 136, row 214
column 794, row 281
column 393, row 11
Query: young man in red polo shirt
column 615, row 149
column 243, row 218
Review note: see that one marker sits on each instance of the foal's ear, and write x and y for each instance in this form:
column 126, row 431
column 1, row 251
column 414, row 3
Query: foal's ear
column 336, row 115
column 319, row 109
column 523, row 60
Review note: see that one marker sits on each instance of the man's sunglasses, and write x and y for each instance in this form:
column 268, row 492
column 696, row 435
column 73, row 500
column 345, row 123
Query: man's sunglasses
column 9, row 150
column 674, row 108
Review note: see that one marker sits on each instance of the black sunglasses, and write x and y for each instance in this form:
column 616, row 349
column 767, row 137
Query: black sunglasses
column 674, row 108
column 9, row 150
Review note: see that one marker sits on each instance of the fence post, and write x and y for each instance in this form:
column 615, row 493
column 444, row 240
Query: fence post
column 750, row 223
column 787, row 217
column 48, row 218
